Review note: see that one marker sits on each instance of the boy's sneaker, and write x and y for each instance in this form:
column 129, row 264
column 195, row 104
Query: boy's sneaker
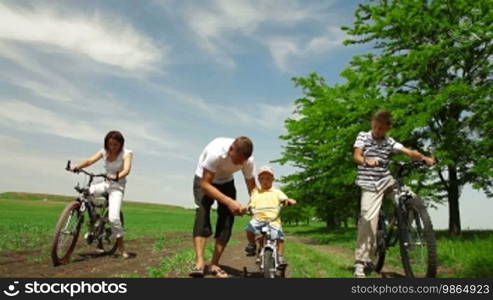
column 88, row 237
column 359, row 270
column 282, row 262
column 250, row 249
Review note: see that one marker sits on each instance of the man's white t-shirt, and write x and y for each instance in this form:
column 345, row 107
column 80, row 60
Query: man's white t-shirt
column 215, row 158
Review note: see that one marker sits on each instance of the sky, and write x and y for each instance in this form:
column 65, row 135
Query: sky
column 171, row 76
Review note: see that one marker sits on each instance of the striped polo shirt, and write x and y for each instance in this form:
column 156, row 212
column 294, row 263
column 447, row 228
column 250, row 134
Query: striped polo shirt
column 374, row 178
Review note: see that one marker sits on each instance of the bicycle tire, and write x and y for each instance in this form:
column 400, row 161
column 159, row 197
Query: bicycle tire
column 269, row 267
column 69, row 214
column 109, row 246
column 417, row 240
column 381, row 244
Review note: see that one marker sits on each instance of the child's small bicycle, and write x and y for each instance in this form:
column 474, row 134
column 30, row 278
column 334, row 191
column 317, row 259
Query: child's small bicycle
column 267, row 258
column 71, row 219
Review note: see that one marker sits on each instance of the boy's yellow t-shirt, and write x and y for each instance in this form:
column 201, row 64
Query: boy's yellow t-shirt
column 267, row 198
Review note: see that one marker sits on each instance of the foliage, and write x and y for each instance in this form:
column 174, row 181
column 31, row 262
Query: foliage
column 432, row 68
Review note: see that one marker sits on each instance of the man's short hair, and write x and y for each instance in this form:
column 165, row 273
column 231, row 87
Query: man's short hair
column 383, row 116
column 243, row 146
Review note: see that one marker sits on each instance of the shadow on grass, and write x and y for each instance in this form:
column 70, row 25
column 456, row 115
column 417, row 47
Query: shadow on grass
column 478, row 267
column 323, row 236
column 469, row 235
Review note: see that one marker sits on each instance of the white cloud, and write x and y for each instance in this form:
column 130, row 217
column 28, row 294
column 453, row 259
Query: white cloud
column 223, row 20
column 145, row 136
column 31, row 118
column 286, row 51
column 112, row 42
column 254, row 115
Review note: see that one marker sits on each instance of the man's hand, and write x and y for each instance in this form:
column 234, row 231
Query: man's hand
column 235, row 207
column 244, row 209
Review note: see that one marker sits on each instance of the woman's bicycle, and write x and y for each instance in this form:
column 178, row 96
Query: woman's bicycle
column 411, row 226
column 71, row 219
column 267, row 258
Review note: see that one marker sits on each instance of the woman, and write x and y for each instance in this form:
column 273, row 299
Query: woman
column 117, row 163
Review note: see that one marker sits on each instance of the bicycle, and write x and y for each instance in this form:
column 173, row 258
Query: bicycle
column 71, row 219
column 411, row 226
column 267, row 257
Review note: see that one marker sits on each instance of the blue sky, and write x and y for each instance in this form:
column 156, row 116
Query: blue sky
column 171, row 75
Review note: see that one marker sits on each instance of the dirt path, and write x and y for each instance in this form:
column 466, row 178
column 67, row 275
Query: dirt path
column 149, row 252
column 85, row 262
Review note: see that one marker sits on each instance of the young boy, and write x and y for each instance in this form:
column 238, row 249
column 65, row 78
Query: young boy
column 371, row 153
column 266, row 197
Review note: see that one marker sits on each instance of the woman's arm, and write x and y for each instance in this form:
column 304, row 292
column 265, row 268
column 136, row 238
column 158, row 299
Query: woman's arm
column 89, row 161
column 127, row 165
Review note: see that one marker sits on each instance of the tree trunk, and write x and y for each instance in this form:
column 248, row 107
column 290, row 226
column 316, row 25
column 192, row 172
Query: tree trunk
column 332, row 221
column 454, row 227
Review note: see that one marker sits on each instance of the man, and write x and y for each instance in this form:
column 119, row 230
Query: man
column 214, row 181
column 371, row 153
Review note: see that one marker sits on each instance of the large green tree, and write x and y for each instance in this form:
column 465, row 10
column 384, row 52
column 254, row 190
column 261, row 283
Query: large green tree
column 432, row 67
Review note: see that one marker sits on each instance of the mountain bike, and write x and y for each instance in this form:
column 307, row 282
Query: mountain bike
column 71, row 219
column 409, row 225
column 267, row 258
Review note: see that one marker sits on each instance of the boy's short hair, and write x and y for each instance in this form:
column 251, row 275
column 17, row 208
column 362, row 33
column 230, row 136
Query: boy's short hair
column 383, row 116
column 243, row 146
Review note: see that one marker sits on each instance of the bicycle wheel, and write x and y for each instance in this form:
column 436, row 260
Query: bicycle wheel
column 66, row 233
column 381, row 244
column 106, row 240
column 417, row 240
column 269, row 267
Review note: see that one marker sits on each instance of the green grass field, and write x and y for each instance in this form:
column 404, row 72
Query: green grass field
column 464, row 256
column 27, row 222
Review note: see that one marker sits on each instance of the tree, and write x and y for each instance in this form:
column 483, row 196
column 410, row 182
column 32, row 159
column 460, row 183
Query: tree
column 432, row 69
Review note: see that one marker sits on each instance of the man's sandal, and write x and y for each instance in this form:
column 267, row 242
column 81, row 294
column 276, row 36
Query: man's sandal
column 197, row 272
column 220, row 273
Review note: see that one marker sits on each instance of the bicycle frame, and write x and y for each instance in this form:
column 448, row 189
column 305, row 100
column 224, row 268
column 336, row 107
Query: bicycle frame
column 409, row 225
column 401, row 193
column 268, row 243
column 85, row 198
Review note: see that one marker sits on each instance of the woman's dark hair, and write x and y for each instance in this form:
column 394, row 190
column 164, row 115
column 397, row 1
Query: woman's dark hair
column 117, row 136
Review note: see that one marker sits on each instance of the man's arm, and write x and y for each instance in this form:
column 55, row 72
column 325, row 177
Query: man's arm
column 213, row 192
column 251, row 185
column 417, row 155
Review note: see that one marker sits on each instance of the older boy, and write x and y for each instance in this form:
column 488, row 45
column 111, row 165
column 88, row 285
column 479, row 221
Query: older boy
column 371, row 153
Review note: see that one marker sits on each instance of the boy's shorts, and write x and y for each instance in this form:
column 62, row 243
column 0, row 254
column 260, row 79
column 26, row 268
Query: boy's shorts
column 255, row 226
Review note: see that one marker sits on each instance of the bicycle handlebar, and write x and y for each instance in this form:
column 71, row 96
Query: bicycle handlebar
column 87, row 173
column 252, row 211
column 402, row 165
